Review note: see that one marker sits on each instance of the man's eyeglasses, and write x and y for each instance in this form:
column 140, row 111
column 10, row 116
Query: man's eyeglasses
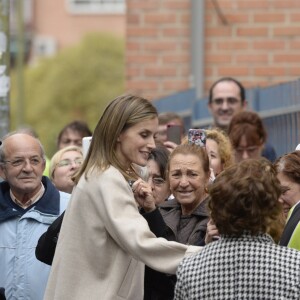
column 157, row 180
column 229, row 100
column 69, row 162
column 33, row 161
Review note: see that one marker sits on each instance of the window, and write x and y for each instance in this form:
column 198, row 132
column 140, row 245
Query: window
column 44, row 46
column 95, row 6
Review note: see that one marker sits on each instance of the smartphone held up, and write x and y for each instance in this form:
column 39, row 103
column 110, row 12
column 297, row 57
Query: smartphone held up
column 174, row 133
column 197, row 137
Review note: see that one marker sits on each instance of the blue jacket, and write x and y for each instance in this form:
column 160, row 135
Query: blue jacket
column 21, row 274
column 269, row 152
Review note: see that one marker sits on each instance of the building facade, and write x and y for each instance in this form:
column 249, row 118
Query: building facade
column 256, row 41
column 51, row 25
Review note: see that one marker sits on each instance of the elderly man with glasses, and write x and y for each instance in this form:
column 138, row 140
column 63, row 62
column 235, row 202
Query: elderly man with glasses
column 29, row 203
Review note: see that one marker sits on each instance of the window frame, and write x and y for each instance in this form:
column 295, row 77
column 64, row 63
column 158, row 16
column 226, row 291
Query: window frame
column 95, row 7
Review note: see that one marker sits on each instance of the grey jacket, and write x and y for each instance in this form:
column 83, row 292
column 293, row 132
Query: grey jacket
column 171, row 212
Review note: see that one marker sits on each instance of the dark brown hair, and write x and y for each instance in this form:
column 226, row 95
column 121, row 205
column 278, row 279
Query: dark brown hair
column 248, row 124
column 160, row 155
column 230, row 79
column 78, row 126
column 244, row 197
column 289, row 165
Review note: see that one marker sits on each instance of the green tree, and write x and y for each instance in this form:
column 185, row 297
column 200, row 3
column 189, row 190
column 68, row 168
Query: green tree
column 77, row 84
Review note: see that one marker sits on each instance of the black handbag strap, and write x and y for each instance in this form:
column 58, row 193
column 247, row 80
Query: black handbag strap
column 290, row 226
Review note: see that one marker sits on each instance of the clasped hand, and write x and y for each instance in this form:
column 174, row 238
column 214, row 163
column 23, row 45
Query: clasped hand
column 143, row 195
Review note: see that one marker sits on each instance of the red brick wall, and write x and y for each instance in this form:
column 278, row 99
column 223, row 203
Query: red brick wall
column 259, row 44
column 257, row 41
column 158, row 42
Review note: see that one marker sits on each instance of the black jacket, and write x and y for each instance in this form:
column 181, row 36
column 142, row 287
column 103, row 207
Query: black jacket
column 46, row 246
column 157, row 285
column 163, row 222
column 2, row 294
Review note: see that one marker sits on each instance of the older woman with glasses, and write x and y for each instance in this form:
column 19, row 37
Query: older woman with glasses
column 63, row 166
column 157, row 163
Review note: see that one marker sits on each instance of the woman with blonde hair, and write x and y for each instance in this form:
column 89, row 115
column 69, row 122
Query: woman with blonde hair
column 219, row 150
column 63, row 166
column 104, row 241
column 220, row 154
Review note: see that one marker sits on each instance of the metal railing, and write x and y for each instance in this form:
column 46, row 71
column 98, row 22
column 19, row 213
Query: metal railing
column 278, row 106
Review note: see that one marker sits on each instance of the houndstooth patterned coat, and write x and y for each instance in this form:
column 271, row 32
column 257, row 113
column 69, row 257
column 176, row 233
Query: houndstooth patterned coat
column 248, row 267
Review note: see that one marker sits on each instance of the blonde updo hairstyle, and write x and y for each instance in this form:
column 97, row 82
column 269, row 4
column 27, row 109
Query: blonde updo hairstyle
column 56, row 158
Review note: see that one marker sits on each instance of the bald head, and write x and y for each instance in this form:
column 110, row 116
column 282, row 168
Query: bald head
column 22, row 164
column 16, row 139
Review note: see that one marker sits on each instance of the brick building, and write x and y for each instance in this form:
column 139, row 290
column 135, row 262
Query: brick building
column 172, row 45
column 51, row 25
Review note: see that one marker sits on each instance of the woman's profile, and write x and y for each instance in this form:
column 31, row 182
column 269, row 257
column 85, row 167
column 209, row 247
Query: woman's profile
column 104, row 241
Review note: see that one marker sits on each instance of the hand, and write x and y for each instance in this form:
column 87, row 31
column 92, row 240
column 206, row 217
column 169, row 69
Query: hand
column 170, row 146
column 212, row 232
column 212, row 176
column 143, row 195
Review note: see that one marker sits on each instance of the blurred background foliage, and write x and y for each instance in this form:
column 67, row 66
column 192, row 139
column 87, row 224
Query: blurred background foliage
column 76, row 84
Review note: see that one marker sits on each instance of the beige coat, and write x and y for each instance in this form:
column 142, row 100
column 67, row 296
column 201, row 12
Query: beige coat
column 104, row 242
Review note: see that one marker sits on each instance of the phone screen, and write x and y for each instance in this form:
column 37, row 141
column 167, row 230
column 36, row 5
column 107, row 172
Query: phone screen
column 174, row 133
column 197, row 137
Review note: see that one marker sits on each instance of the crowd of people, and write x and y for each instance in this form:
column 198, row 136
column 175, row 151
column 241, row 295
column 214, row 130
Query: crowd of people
column 141, row 217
